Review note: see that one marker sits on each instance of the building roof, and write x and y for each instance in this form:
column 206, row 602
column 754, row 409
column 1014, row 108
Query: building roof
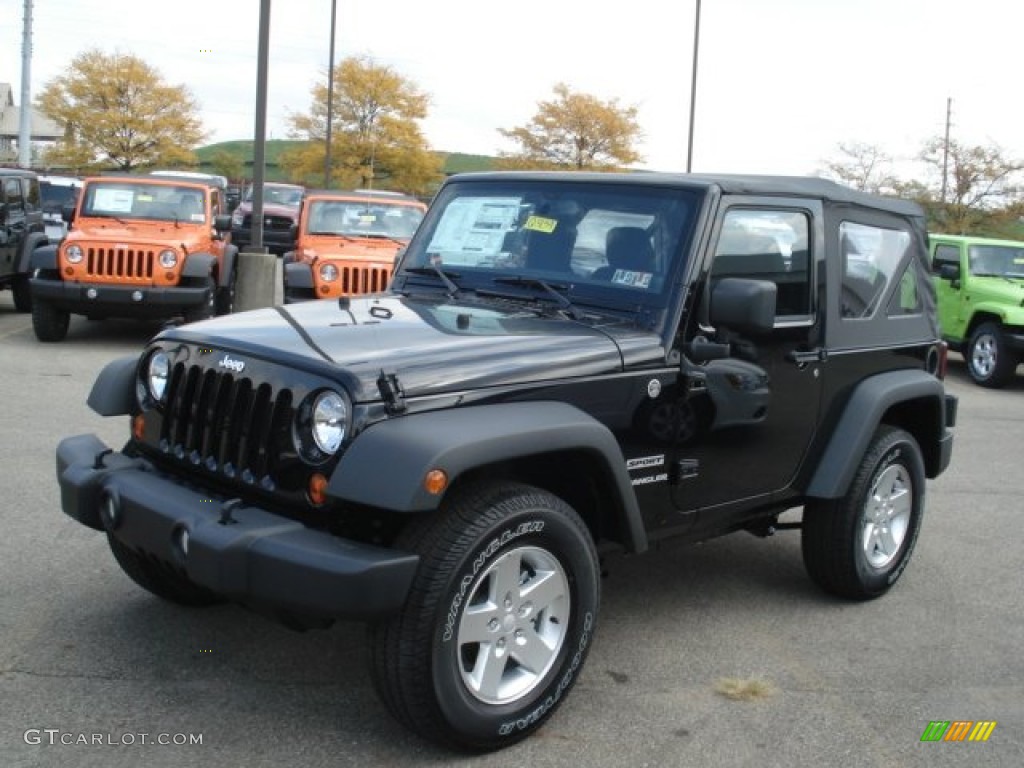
column 42, row 127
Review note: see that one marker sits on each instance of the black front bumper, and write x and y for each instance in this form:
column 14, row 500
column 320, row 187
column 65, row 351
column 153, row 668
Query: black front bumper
column 258, row 558
column 106, row 300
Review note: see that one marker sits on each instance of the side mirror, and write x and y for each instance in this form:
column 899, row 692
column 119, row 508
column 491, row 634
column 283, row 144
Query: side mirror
column 949, row 272
column 67, row 213
column 222, row 222
column 744, row 305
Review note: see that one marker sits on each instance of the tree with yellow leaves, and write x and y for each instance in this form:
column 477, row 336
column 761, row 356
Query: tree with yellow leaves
column 375, row 134
column 575, row 131
column 117, row 112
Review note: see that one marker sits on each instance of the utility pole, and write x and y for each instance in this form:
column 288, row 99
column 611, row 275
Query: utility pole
column 330, row 100
column 945, row 149
column 693, row 90
column 260, row 139
column 25, row 116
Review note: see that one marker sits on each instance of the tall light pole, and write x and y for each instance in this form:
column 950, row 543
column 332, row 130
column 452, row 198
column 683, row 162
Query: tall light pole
column 693, row 89
column 330, row 100
column 25, row 116
column 260, row 138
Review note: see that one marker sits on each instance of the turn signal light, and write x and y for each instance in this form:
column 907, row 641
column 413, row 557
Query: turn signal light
column 139, row 427
column 435, row 481
column 317, row 489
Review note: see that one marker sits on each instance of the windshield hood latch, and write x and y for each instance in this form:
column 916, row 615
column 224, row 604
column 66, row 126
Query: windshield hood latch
column 391, row 392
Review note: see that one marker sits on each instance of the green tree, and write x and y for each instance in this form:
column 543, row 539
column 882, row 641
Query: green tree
column 974, row 189
column 227, row 164
column 118, row 112
column 866, row 167
column 575, row 131
column 375, row 134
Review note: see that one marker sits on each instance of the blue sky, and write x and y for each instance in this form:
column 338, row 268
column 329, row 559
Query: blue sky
column 780, row 82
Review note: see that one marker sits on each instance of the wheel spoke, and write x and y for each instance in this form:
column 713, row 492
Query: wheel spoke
column 532, row 652
column 489, row 670
column 544, row 590
column 886, row 543
column 475, row 626
column 505, row 578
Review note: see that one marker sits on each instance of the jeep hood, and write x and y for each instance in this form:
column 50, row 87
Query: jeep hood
column 431, row 347
column 136, row 233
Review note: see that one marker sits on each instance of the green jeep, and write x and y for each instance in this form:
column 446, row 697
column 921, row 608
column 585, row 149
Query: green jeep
column 980, row 290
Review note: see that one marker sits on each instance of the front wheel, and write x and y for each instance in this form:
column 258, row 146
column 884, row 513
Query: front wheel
column 859, row 545
column 48, row 322
column 22, row 293
column 226, row 295
column 989, row 361
column 498, row 622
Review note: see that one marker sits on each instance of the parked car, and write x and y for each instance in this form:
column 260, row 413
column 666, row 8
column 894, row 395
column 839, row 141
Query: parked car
column 347, row 243
column 153, row 246
column 57, row 194
column 980, row 287
column 281, row 204
column 22, row 232
column 447, row 459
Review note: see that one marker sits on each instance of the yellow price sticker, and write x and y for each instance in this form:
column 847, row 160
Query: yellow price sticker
column 541, row 224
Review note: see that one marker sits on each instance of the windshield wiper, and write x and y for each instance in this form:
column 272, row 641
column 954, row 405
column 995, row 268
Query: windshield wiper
column 446, row 277
column 552, row 289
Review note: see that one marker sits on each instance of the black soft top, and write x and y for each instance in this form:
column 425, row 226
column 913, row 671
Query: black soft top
column 734, row 184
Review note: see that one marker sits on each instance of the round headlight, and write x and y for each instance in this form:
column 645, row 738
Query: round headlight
column 168, row 259
column 330, row 418
column 158, row 371
column 328, row 273
column 73, row 254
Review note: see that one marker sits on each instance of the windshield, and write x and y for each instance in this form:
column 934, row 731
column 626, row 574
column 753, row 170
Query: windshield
column 583, row 236
column 278, row 195
column 362, row 219
column 157, row 202
column 996, row 260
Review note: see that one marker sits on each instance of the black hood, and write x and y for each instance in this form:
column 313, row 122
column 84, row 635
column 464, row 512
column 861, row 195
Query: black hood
column 433, row 347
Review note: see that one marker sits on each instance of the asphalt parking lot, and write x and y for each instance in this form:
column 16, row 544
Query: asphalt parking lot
column 85, row 656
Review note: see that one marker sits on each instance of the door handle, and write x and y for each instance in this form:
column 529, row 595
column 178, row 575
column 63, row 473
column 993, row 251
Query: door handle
column 804, row 356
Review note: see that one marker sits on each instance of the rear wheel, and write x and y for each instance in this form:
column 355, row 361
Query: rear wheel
column 160, row 580
column 989, row 361
column 859, row 545
column 498, row 622
column 22, row 293
column 226, row 295
column 48, row 322
column 208, row 308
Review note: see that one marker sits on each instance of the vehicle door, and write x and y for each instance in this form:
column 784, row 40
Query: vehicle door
column 12, row 224
column 948, row 293
column 751, row 413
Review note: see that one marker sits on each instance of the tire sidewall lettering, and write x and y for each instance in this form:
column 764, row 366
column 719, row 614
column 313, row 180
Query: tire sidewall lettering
column 486, row 554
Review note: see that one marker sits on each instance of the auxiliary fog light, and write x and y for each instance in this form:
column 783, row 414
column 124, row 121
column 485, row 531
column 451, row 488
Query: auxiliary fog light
column 91, row 293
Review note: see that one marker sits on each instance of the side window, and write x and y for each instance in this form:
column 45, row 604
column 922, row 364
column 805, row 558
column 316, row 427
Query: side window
column 31, row 190
column 907, row 299
column 870, row 257
column 945, row 254
column 768, row 245
column 12, row 193
column 215, row 202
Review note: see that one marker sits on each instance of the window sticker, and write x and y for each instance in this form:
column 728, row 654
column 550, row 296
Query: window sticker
column 144, row 198
column 198, row 217
column 473, row 230
column 113, row 200
column 632, row 279
column 541, row 224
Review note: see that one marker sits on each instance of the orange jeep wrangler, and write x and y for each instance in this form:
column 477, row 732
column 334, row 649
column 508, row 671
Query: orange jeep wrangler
column 140, row 247
column 347, row 243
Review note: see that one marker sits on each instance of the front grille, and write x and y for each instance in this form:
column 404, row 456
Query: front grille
column 122, row 263
column 356, row 280
column 270, row 222
column 225, row 423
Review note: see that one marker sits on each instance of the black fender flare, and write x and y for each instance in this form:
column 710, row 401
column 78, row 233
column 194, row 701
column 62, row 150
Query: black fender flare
column 32, row 242
column 230, row 257
column 113, row 392
column 863, row 413
column 386, row 464
column 43, row 258
column 198, row 265
column 298, row 275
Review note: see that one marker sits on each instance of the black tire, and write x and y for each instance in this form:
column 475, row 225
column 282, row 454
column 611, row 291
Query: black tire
column 423, row 661
column 160, row 580
column 208, row 308
column 990, row 363
column 226, row 295
column 22, row 293
column 859, row 545
column 48, row 322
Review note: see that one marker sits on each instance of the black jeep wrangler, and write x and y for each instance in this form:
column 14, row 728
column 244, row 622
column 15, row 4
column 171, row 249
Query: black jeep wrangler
column 22, row 230
column 564, row 364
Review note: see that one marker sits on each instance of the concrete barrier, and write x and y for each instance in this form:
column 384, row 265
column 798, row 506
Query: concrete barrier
column 258, row 281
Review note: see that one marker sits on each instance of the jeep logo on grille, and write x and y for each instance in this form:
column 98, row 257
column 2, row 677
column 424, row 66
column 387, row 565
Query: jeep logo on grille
column 232, row 365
